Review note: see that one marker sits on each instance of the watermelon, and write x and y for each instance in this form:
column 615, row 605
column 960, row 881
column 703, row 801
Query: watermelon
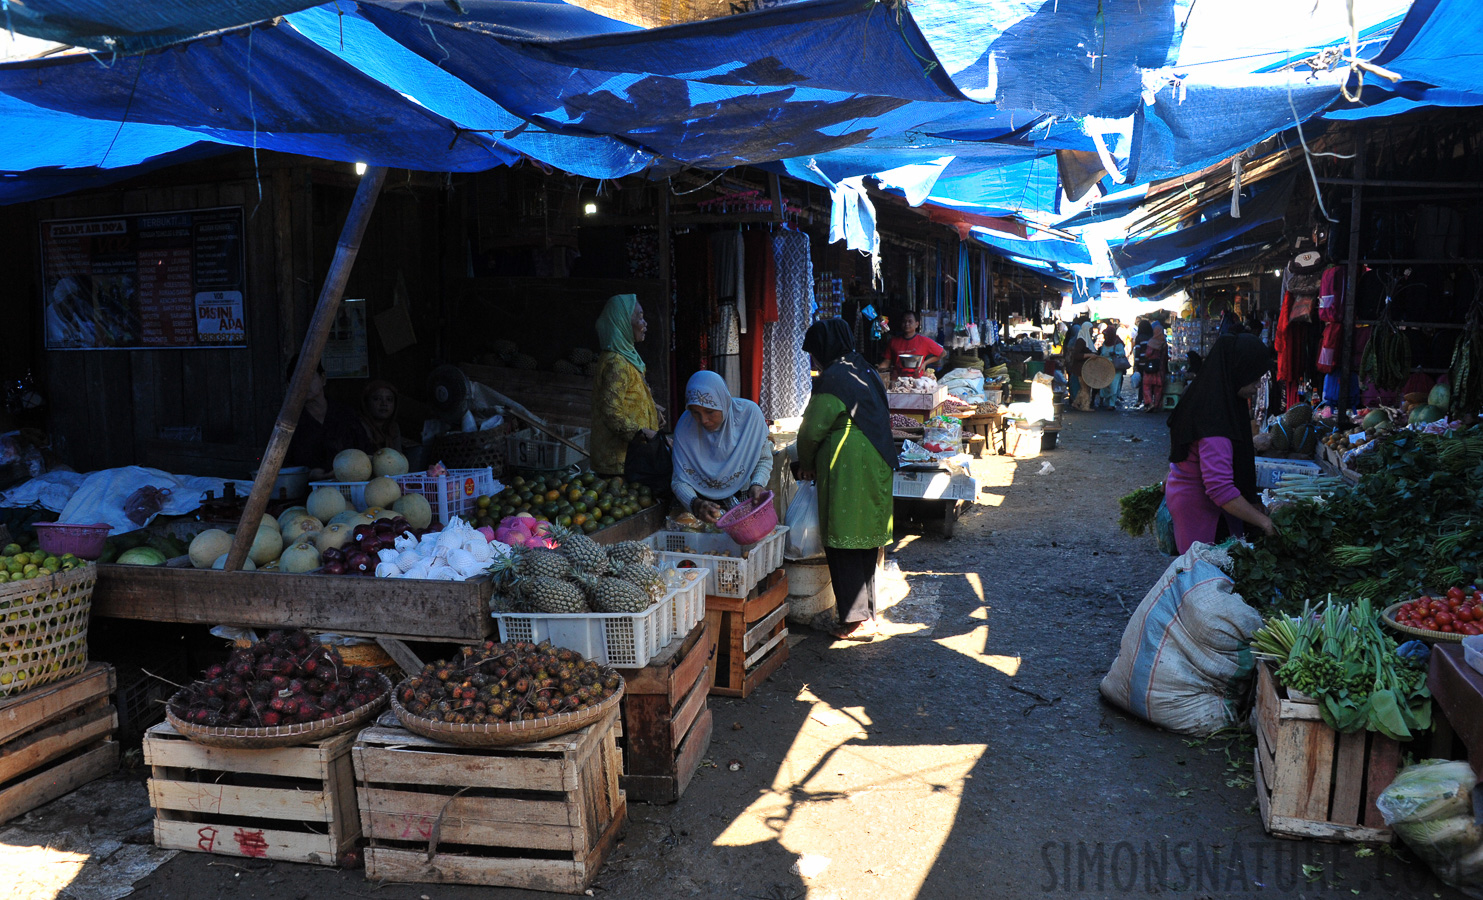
column 1440, row 397
column 1423, row 415
column 141, row 556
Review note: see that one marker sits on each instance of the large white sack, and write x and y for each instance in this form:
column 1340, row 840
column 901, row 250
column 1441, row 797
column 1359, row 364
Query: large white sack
column 1185, row 662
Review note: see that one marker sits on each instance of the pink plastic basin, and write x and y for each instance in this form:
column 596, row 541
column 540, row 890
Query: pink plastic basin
column 748, row 523
column 82, row 541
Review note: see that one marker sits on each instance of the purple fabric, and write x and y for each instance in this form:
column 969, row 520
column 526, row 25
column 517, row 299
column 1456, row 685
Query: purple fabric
column 1197, row 488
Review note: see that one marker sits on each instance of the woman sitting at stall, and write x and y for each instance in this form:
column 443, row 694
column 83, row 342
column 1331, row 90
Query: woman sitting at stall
column 721, row 454
column 378, row 407
column 1211, row 489
column 622, row 405
column 325, row 428
column 845, row 445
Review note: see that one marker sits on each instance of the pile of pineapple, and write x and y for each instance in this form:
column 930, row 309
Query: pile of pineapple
column 579, row 576
column 581, row 361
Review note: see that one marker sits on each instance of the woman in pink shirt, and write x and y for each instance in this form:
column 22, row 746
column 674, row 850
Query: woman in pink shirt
column 1211, row 489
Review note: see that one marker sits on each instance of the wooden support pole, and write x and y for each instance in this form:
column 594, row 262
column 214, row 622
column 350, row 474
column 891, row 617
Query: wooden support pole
column 1351, row 279
column 666, row 312
column 309, row 356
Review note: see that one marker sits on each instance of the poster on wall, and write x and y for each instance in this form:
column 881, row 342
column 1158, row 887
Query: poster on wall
column 146, row 281
column 345, row 352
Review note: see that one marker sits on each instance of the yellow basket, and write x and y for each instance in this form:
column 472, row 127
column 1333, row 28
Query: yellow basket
column 44, row 628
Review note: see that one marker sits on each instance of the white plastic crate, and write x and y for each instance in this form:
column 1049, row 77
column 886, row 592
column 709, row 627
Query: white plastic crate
column 1270, row 471
column 532, row 449
column 934, row 486
column 688, row 604
column 730, row 576
column 623, row 640
column 452, row 494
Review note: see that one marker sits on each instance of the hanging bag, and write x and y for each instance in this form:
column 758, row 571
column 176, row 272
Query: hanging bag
column 804, row 539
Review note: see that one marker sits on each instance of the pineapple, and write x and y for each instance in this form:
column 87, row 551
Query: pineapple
column 524, row 361
column 584, row 553
column 582, row 356
column 590, row 370
column 562, row 367
column 528, row 562
column 644, row 576
column 625, row 552
column 543, row 593
column 614, row 595
column 507, row 349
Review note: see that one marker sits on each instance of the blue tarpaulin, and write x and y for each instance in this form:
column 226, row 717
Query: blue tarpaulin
column 1045, row 250
column 129, row 27
column 1440, row 42
column 1193, row 242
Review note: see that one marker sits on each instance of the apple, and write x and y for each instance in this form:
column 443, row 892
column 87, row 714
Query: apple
column 334, row 567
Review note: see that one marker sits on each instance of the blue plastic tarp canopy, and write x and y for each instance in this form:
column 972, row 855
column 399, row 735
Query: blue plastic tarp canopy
column 267, row 87
column 1050, row 250
column 129, row 27
column 1440, row 42
column 1194, row 242
column 1063, row 57
column 795, row 80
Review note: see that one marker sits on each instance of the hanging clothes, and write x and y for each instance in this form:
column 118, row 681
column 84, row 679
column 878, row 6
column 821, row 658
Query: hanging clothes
column 785, row 373
column 761, row 308
column 726, row 347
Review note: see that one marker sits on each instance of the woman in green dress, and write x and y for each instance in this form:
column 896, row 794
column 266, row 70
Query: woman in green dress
column 845, row 444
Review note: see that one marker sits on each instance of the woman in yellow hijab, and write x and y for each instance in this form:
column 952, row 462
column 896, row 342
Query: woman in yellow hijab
column 622, row 405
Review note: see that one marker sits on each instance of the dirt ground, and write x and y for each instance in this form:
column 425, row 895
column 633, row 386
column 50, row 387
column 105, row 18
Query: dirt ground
column 966, row 755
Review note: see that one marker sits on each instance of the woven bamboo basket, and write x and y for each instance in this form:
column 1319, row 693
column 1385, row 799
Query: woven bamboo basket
column 282, row 735
column 44, row 628
column 1389, row 617
column 473, row 449
column 505, row 734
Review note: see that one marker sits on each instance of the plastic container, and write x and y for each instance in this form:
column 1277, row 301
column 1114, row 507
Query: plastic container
column 688, row 604
column 748, row 524
column 730, row 576
column 82, row 541
column 532, row 449
column 623, row 640
column 453, row 494
column 1472, row 651
column 1270, row 471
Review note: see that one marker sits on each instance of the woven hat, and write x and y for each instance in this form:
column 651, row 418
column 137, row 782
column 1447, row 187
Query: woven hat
column 1098, row 372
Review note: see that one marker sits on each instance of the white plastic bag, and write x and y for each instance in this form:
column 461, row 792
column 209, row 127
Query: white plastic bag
column 804, row 539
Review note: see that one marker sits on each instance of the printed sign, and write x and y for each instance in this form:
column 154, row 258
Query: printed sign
column 153, row 280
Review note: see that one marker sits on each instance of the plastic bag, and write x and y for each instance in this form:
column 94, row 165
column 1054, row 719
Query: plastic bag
column 1429, row 805
column 145, row 503
column 804, row 539
column 1163, row 529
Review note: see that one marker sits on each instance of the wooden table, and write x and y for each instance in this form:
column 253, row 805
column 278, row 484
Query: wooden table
column 1457, row 692
column 990, row 426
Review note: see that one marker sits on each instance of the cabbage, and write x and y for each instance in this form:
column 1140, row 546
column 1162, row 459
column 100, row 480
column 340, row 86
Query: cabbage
column 1441, row 841
column 1431, row 789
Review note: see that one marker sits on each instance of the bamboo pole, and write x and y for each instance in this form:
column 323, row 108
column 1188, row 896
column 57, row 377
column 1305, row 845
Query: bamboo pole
column 309, row 356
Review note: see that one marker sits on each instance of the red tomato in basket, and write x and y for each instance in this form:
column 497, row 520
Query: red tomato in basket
column 1455, row 593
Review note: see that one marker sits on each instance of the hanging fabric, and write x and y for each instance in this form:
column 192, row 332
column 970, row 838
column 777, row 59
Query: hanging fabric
column 786, row 385
column 965, row 292
column 937, row 282
column 761, row 308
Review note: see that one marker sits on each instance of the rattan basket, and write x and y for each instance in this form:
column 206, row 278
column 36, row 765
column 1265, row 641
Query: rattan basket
column 44, row 628
column 282, row 735
column 473, row 449
column 1389, row 617
column 506, row 734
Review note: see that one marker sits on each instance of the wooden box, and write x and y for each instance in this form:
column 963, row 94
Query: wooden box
column 666, row 719
column 56, row 738
column 540, row 816
column 751, row 636
column 295, row 804
column 1311, row 781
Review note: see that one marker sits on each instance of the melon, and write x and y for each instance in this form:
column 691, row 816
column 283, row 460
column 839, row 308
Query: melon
column 326, row 503
column 141, row 556
column 266, row 546
column 352, row 465
column 382, row 492
column 300, row 558
column 270, row 520
column 348, row 518
column 1440, row 397
column 415, row 509
column 1374, row 418
column 388, row 462
column 288, row 515
column 207, row 546
column 1423, row 415
column 299, row 526
column 247, row 564
column 334, row 536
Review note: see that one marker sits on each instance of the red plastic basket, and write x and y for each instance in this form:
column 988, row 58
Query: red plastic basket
column 82, row 541
column 748, row 523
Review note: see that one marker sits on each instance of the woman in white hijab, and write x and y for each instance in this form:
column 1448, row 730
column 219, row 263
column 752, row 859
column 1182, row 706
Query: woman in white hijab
column 721, row 451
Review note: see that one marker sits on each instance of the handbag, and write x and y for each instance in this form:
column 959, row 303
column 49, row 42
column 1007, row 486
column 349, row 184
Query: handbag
column 650, row 461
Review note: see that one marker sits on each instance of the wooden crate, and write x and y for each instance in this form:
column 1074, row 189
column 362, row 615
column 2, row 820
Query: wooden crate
column 295, row 804
column 1311, row 781
column 541, row 816
column 56, row 738
column 751, row 636
column 666, row 719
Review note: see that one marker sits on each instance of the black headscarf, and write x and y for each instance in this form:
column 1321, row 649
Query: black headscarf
column 845, row 374
column 1210, row 406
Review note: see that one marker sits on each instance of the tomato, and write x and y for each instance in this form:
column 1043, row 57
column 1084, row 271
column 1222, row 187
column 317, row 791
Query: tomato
column 1443, row 618
column 1448, row 629
column 1471, row 629
column 1465, row 614
column 1454, row 593
column 1429, row 623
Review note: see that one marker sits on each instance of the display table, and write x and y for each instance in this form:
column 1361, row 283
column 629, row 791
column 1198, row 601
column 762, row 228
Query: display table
column 936, row 497
column 1457, row 691
column 993, row 427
